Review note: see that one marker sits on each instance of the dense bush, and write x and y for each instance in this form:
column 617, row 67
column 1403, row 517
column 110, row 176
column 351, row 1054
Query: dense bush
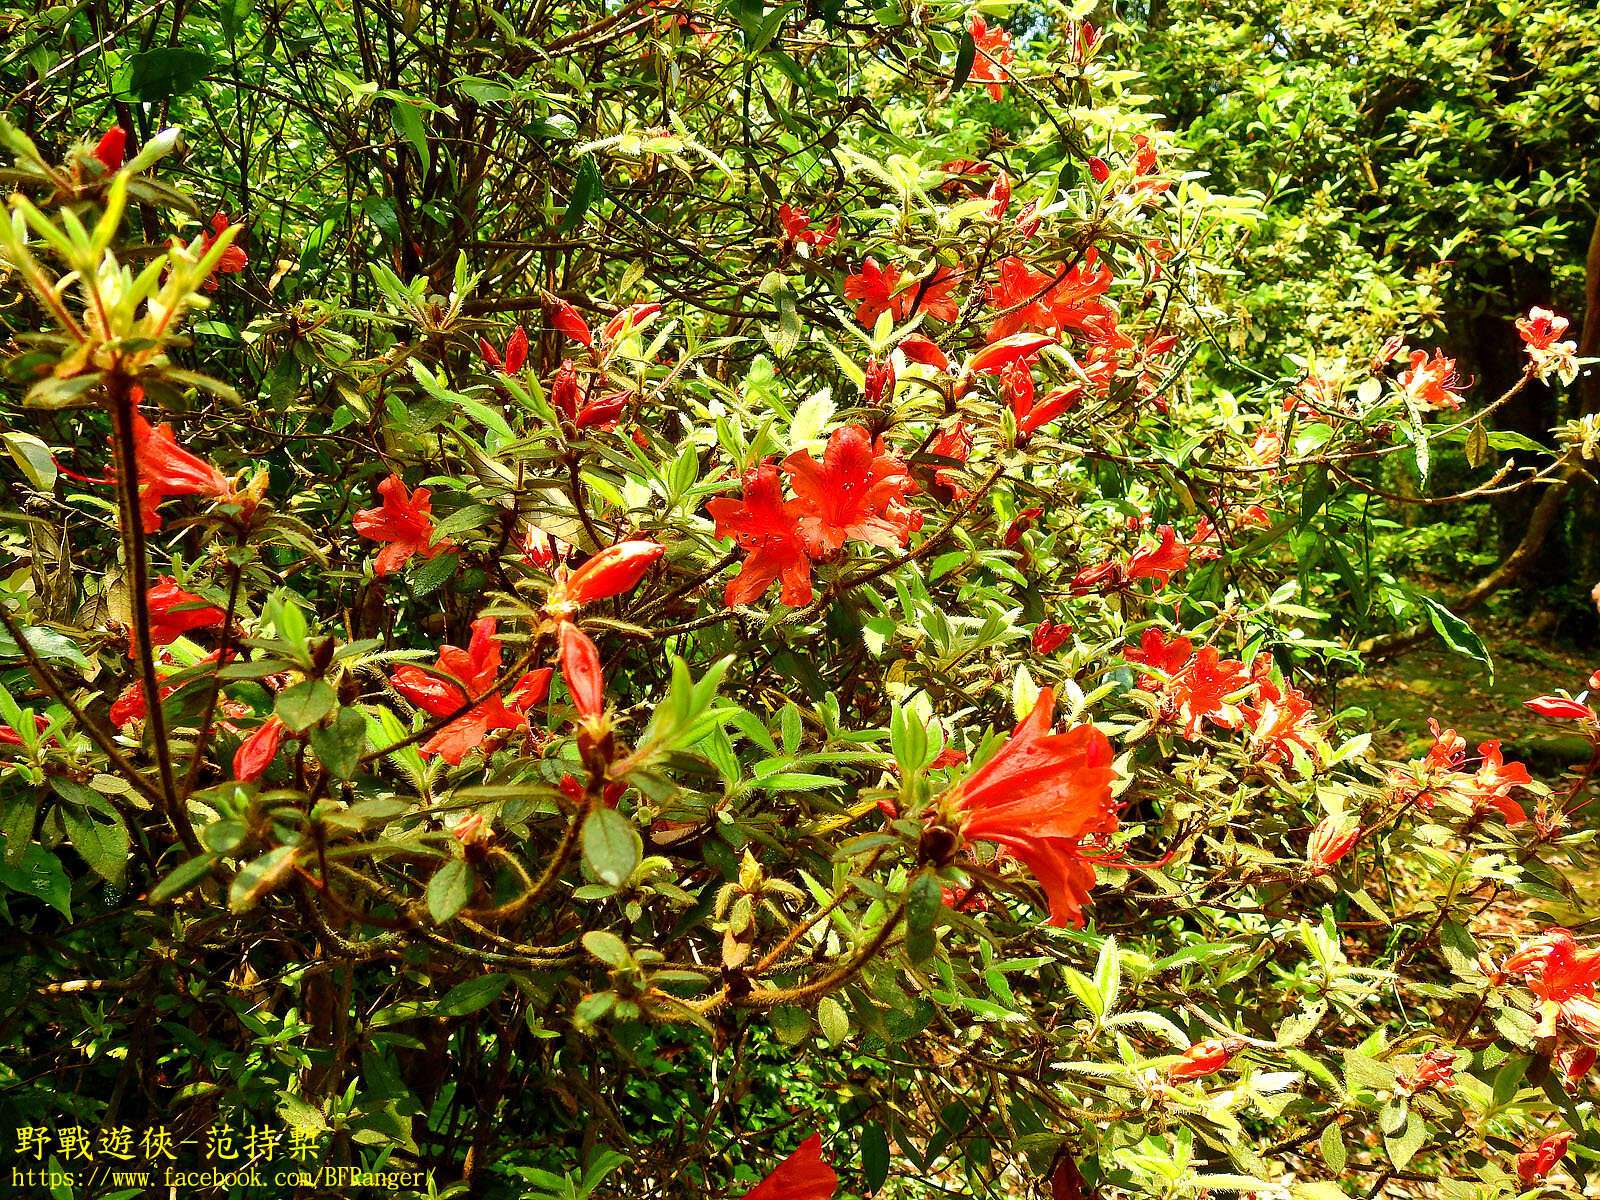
column 606, row 601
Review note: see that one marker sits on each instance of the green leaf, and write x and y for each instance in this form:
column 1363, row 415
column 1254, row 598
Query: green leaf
column 1331, row 1143
column 586, row 189
column 259, row 877
column 449, row 890
column 182, row 878
column 305, row 704
column 611, row 846
column 340, row 744
column 874, row 1143
column 33, row 457
column 1455, row 632
column 159, row 74
column 924, row 902
column 408, row 123
column 834, row 1020
column 41, row 876
column 433, row 574
column 1403, row 1146
column 965, row 57
column 46, row 643
column 471, row 995
column 607, row 947
column 103, row 844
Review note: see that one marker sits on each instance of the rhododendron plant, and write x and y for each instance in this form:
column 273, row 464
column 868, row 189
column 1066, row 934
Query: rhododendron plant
column 675, row 585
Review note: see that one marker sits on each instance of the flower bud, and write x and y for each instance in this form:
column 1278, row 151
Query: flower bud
column 1559, row 708
column 517, row 350
column 1330, row 841
column 1099, row 170
column 879, row 383
column 564, row 390
column 257, row 751
column 608, row 573
column 571, row 325
column 111, row 147
column 1535, row 1162
column 580, row 667
column 1205, row 1058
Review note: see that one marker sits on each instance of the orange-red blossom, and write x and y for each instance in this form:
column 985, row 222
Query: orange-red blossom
column 1041, row 797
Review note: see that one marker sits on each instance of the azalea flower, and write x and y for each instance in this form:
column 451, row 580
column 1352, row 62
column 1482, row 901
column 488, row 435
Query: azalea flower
column 1280, row 718
column 953, row 442
column 1147, row 168
column 1431, row 384
column 167, row 469
column 173, row 613
column 1160, row 561
column 1540, row 331
column 580, row 667
column 858, row 491
column 797, row 229
column 232, row 259
column 1049, row 301
column 1208, row 688
column 405, row 521
column 994, row 55
column 1205, row 1058
column 1048, row 637
column 470, row 674
column 1537, row 1161
column 1436, row 1068
column 1164, row 655
column 879, row 289
column 804, row 1175
column 766, row 527
column 1563, row 976
column 1040, row 797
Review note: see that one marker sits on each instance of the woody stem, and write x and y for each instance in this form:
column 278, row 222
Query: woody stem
column 134, row 554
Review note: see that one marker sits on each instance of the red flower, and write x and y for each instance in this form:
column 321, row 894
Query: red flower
column 1039, row 797
column 1207, row 688
column 1000, row 193
column 1158, row 562
column 797, row 229
column 1560, row 708
column 114, row 143
column 1031, row 299
column 802, row 1176
column 1166, row 656
column 919, row 349
column 570, row 325
column 857, row 491
column 954, row 442
column 167, row 469
column 1280, row 718
column 1535, row 1162
column 1205, row 1058
column 580, row 667
column 1330, row 841
column 879, row 290
column 1146, row 167
column 1492, row 784
column 472, row 674
column 994, row 55
column 1436, row 1068
column 1048, row 637
column 1430, row 385
column 257, row 751
column 610, row 572
column 10, row 737
column 233, row 258
column 767, row 528
column 1539, row 330
column 405, row 521
column 173, row 613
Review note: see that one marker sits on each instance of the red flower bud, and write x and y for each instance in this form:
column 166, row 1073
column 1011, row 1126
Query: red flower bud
column 1205, row 1058
column 998, row 355
column 564, row 390
column 580, row 667
column 879, row 382
column 1330, row 841
column 919, row 349
column 614, row 569
column 490, row 356
column 1559, row 708
column 1099, row 170
column 257, row 751
column 1574, row 1063
column 517, row 350
column 571, row 325
column 113, row 144
column 640, row 315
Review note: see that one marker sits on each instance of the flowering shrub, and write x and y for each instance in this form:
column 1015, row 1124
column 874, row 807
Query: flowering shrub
column 619, row 748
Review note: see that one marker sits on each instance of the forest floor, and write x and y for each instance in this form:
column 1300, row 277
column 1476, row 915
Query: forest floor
column 1460, row 693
